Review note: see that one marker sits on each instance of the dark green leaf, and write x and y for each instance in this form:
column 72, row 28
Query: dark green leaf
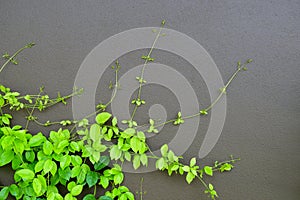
column 103, row 162
column 89, row 197
column 92, row 178
column 65, row 173
column 105, row 198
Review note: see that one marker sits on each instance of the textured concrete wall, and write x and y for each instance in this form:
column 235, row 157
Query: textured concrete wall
column 262, row 124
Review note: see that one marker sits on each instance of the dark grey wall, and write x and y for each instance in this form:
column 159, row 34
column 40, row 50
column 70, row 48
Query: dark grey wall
column 262, row 125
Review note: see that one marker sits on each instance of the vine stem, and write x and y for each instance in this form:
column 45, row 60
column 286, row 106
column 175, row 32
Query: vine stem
column 223, row 92
column 141, row 188
column 116, row 86
column 32, row 110
column 15, row 54
column 143, row 70
column 95, row 190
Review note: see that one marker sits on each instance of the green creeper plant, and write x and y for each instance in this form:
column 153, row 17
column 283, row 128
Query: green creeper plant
column 77, row 155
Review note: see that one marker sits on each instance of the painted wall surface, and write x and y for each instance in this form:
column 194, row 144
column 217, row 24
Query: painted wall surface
column 262, row 123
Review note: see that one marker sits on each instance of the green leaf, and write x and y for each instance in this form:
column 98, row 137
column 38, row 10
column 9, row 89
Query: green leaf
column 6, row 157
column 37, row 186
column 39, row 166
column 95, row 132
column 48, row 165
column 25, row 174
column 226, row 167
column 103, row 162
column 69, row 197
column 104, row 181
column 186, row 168
column 30, row 156
column 47, row 148
column 115, row 153
column 75, row 171
column 61, row 145
column 105, row 198
column 37, row 140
column 144, row 159
column 189, row 177
column 19, row 146
column 130, row 131
column 76, row 190
column 71, row 185
column 43, row 182
column 164, row 150
column 136, row 161
column 118, row 178
column 76, row 160
column 14, row 190
column 65, row 161
column 160, row 163
column 127, row 156
column 135, row 144
column 192, row 162
column 74, row 146
column 65, row 174
column 89, row 197
column 103, row 117
column 4, row 193
column 92, row 178
column 208, row 170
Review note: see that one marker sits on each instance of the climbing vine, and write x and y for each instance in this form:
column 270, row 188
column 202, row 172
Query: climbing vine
column 88, row 153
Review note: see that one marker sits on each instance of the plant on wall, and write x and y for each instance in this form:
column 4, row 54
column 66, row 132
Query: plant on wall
column 78, row 155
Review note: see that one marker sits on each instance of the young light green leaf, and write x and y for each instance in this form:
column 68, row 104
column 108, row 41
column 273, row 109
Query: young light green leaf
column 65, row 161
column 47, row 148
column 37, row 186
column 95, row 132
column 104, row 181
column 136, row 161
column 6, row 157
column 192, row 162
column 144, row 159
column 208, row 170
column 76, row 190
column 189, row 177
column 103, row 117
column 25, row 174
column 118, row 178
column 164, row 150
column 160, row 163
